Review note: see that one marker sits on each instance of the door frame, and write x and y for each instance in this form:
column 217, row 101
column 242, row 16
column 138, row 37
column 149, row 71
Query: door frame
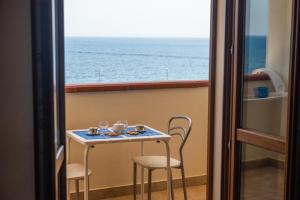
column 211, row 98
column 227, row 82
column 42, row 44
column 229, row 185
column 293, row 147
column 43, row 97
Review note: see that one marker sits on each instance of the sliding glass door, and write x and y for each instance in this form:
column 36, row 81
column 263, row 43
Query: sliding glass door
column 261, row 92
column 264, row 79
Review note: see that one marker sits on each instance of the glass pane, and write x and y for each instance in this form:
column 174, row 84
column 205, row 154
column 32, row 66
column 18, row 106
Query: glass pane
column 266, row 65
column 262, row 174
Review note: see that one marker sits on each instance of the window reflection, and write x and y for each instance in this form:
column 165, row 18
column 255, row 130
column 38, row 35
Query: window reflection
column 262, row 174
column 266, row 66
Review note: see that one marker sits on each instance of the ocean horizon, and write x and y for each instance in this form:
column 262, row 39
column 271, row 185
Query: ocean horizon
column 144, row 59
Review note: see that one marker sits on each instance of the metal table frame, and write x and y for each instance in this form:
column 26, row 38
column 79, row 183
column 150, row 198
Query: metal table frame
column 88, row 144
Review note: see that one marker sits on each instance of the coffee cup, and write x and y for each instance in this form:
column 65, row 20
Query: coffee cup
column 93, row 130
column 139, row 127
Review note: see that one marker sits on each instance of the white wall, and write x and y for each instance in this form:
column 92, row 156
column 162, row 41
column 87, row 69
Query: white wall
column 111, row 164
column 278, row 46
column 278, row 57
column 16, row 119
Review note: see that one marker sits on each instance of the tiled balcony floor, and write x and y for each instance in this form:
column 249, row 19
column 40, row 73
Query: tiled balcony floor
column 265, row 183
column 194, row 193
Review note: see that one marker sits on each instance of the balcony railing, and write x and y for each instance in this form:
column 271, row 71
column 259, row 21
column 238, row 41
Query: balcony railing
column 98, row 87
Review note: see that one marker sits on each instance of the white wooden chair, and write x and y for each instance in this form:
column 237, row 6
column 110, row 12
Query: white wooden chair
column 75, row 171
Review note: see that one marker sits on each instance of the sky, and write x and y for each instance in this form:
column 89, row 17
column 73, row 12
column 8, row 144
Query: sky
column 137, row 18
column 257, row 17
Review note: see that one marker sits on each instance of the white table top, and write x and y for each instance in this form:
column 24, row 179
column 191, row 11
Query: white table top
column 123, row 138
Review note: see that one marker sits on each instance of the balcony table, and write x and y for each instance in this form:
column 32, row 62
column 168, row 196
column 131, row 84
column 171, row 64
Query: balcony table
column 88, row 142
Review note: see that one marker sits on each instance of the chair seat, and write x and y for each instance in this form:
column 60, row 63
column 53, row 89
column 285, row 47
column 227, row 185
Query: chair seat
column 76, row 171
column 155, row 162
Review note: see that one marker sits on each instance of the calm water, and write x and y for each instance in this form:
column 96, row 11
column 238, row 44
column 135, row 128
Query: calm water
column 105, row 60
column 255, row 53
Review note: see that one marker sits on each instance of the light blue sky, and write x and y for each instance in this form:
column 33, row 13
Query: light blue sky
column 137, row 18
column 151, row 18
column 257, row 17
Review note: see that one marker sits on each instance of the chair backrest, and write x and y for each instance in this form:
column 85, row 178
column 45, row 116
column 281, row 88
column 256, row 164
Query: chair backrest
column 182, row 131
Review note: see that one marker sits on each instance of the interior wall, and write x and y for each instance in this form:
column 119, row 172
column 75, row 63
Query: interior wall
column 254, row 153
column 278, row 57
column 262, row 115
column 111, row 163
column 278, row 48
column 265, row 116
column 16, row 119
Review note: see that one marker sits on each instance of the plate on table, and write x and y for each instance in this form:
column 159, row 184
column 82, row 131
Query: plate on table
column 132, row 132
column 135, row 132
column 111, row 133
column 90, row 134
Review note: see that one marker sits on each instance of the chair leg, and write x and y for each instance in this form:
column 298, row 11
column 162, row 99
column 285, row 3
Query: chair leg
column 149, row 183
column 77, row 188
column 183, row 183
column 134, row 180
column 172, row 186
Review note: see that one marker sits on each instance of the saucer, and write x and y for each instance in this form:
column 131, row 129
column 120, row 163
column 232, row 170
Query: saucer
column 133, row 132
column 113, row 134
column 90, row 134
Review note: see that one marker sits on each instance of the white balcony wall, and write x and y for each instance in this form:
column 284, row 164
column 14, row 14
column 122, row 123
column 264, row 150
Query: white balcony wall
column 111, row 163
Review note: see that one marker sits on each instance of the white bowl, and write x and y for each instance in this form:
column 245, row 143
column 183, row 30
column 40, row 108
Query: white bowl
column 118, row 128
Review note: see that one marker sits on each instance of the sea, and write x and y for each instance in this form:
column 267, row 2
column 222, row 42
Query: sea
column 111, row 60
